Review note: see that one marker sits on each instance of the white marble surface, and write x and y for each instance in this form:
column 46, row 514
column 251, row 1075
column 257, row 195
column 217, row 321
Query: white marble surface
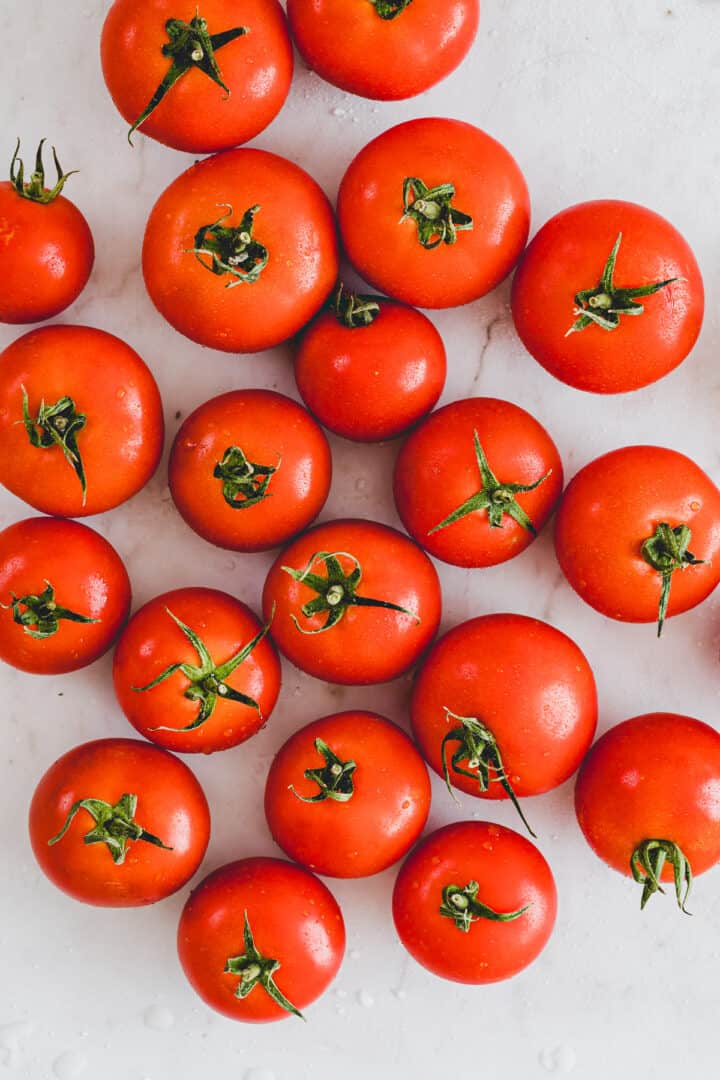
column 615, row 100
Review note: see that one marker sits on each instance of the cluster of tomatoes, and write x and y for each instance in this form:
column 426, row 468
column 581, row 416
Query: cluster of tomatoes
column 241, row 253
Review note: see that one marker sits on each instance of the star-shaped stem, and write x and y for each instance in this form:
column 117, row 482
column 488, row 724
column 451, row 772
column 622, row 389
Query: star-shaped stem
column 245, row 483
column 40, row 615
column 438, row 221
column 231, row 249
column 190, row 45
column 114, row 826
column 478, row 748
column 353, row 310
column 255, row 969
column 647, row 862
column 667, row 551
column 463, row 907
column 57, row 425
column 208, row 681
column 390, row 9
column 336, row 592
column 495, row 497
column 34, row 188
column 604, row 304
column 334, row 779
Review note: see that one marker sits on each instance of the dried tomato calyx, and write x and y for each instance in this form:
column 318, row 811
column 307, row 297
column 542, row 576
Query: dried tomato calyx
column 438, row 221
column 245, row 483
column 667, row 551
column 334, row 779
column 115, row 826
column 463, row 907
column 254, row 970
column 353, row 310
column 647, row 862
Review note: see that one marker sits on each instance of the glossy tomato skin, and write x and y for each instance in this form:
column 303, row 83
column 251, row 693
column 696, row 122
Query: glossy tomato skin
column 295, row 224
column 437, row 471
column 152, row 641
column 511, row 873
column 112, row 386
column 526, row 681
column 381, row 820
column 171, row 805
column 294, row 919
column 46, row 256
column 568, row 255
column 197, row 115
column 89, row 578
column 611, row 506
column 652, row 777
column 370, row 383
column 383, row 59
column 488, row 186
column 272, row 431
column 369, row 644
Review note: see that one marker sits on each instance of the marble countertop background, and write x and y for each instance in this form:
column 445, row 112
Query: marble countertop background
column 612, row 100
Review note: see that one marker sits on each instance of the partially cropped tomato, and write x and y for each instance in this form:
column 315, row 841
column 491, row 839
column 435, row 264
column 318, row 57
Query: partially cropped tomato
column 199, row 77
column 81, row 421
column 647, row 800
column 195, row 672
column 240, row 251
column 638, row 534
column 384, row 49
column 118, row 823
column 64, row 595
column 250, row 469
column 355, row 602
column 476, row 482
column 369, row 368
column 260, row 939
column 348, row 795
column 608, row 297
column 475, row 902
column 504, row 706
column 46, row 247
column 434, row 212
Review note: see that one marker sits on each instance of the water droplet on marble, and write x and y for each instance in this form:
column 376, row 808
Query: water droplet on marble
column 11, row 1038
column 339, row 111
column 158, row 1018
column 361, row 484
column 341, row 993
column 69, row 1065
column 558, row 1059
column 400, row 994
column 259, row 1074
column 354, row 954
column 366, row 999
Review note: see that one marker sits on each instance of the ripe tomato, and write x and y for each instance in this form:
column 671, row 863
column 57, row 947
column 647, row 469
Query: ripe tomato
column 628, row 521
column 434, row 212
column 586, row 272
column 194, row 671
column 476, row 482
column 348, row 795
column 475, row 902
column 368, row 368
column 504, row 706
column 647, row 800
column 197, row 82
column 118, row 823
column 46, row 247
column 81, row 422
column 250, row 469
column 260, row 939
column 355, row 602
column 64, row 595
column 240, row 251
column 391, row 49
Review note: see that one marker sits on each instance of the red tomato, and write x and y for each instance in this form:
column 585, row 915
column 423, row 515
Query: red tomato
column 81, row 422
column 194, row 671
column 46, row 247
column 475, row 902
column 240, row 251
column 391, row 49
column 250, row 469
column 476, row 482
column 231, row 69
column 260, row 939
column 588, row 270
column 628, row 521
column 64, row 595
column 348, row 795
column 647, row 800
column 434, row 212
column 118, row 823
column 368, row 368
column 355, row 602
column 504, row 706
